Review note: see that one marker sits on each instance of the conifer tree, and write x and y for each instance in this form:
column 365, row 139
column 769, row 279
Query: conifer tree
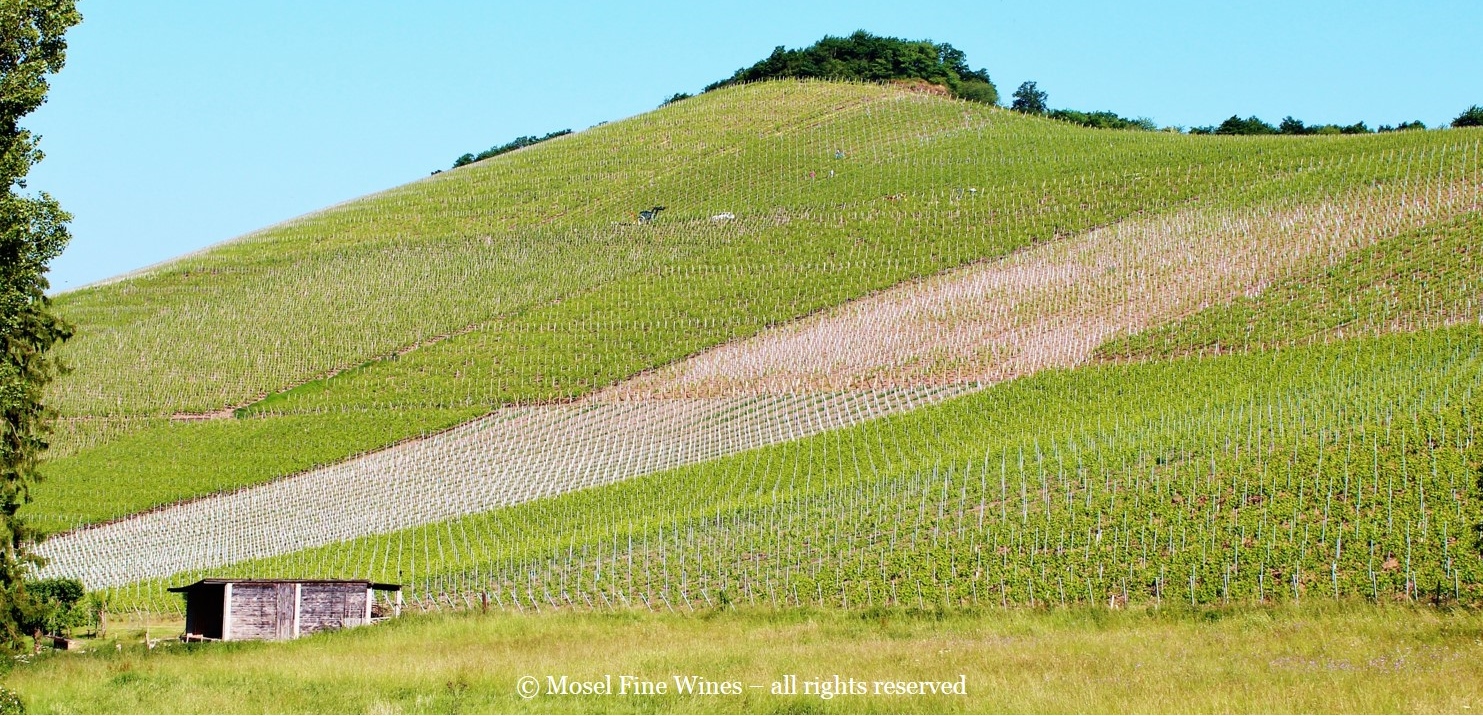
column 33, row 231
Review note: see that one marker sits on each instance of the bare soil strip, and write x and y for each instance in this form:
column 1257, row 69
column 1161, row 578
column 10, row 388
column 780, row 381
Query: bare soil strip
column 1047, row 306
column 511, row 456
column 1052, row 305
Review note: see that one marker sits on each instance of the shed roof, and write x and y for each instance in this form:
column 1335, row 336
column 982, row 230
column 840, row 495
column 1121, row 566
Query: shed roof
column 380, row 586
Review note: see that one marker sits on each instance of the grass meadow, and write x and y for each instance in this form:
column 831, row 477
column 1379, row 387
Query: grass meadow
column 1321, row 658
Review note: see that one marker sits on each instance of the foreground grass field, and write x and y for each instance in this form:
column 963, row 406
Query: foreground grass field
column 1327, row 657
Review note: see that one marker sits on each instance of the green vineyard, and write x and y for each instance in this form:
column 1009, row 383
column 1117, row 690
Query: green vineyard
column 1347, row 470
column 881, row 348
column 525, row 278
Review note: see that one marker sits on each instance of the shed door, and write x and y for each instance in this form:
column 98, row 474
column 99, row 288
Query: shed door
column 285, row 618
column 204, row 608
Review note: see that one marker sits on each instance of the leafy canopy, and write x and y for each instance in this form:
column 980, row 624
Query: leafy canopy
column 871, row 58
column 1102, row 120
column 1250, row 125
column 59, row 605
column 1029, row 99
column 1295, row 127
column 33, row 231
column 512, row 145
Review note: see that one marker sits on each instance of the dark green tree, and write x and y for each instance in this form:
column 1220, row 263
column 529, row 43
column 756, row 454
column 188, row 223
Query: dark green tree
column 871, row 58
column 1289, row 125
column 1102, row 120
column 1473, row 117
column 1029, row 99
column 33, row 231
column 1250, row 125
column 979, row 91
column 55, row 606
column 516, row 143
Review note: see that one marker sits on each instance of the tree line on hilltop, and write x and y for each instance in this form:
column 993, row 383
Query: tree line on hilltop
column 1029, row 99
column 1471, row 117
column 1255, row 126
column 510, row 146
column 861, row 57
column 864, row 57
column 507, row 147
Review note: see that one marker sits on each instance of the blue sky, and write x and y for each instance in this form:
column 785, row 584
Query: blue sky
column 177, row 124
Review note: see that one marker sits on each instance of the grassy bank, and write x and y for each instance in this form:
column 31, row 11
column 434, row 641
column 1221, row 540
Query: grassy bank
column 1335, row 657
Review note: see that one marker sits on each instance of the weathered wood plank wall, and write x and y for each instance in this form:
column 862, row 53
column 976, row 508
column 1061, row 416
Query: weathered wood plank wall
column 255, row 611
column 327, row 606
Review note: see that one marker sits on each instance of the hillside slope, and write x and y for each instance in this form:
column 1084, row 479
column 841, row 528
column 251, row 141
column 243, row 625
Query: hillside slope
column 524, row 280
column 1351, row 469
column 1046, row 306
column 1342, row 470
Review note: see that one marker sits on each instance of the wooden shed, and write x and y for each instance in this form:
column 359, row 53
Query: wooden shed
column 238, row 609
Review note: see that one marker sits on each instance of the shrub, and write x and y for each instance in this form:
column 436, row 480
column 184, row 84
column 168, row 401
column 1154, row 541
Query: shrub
column 56, row 606
column 1102, row 120
column 978, row 91
column 10, row 702
column 1473, row 117
column 1250, row 125
column 870, row 58
column 517, row 143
